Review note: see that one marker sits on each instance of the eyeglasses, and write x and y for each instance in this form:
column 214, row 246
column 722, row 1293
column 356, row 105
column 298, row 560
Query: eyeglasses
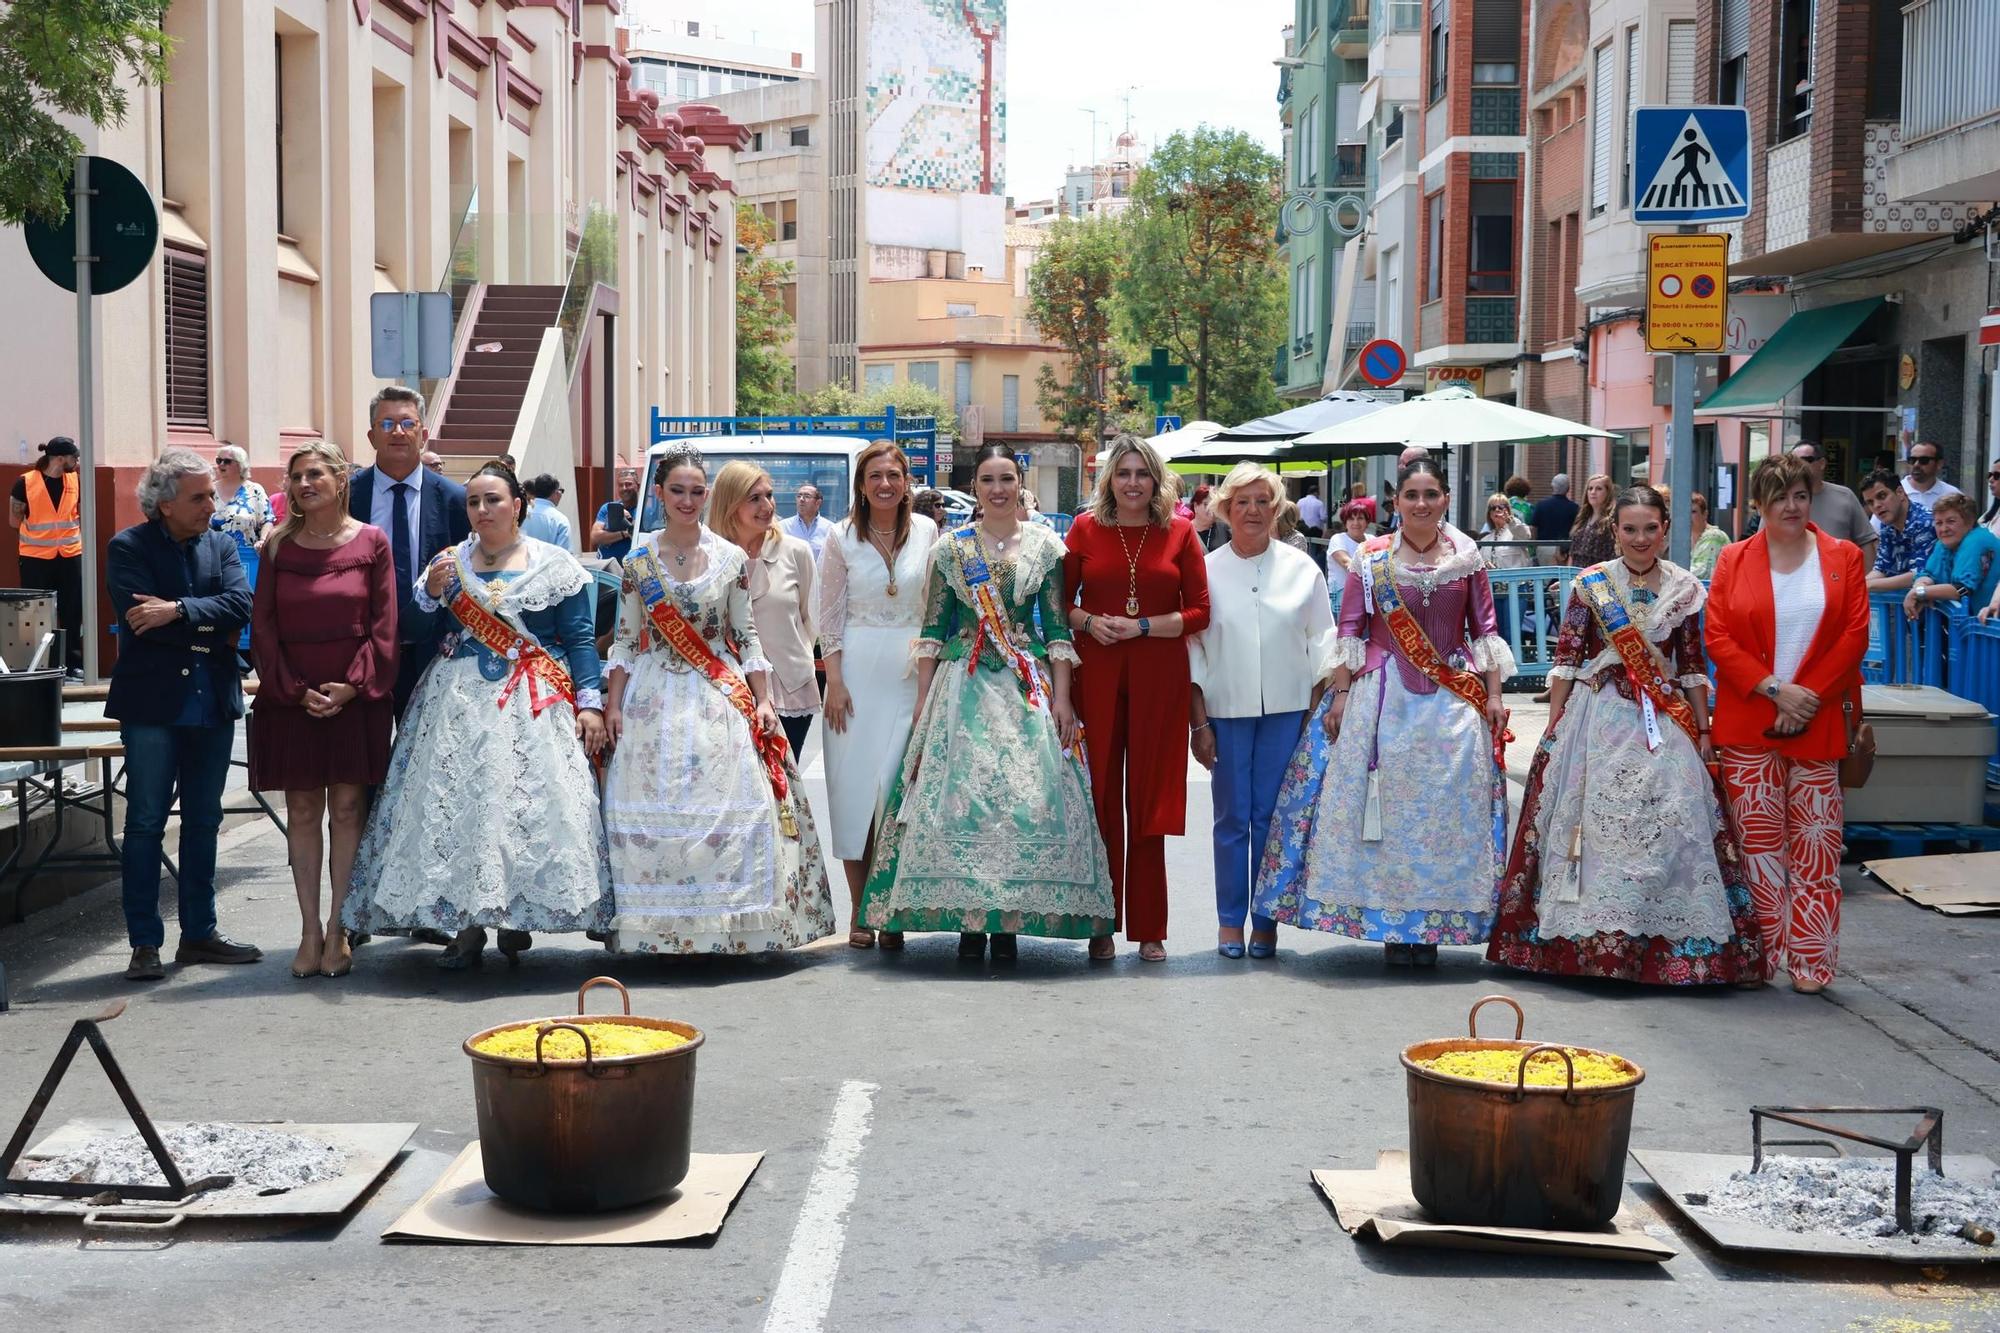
column 1807, row 458
column 397, row 425
column 1993, row 476
column 1922, row 458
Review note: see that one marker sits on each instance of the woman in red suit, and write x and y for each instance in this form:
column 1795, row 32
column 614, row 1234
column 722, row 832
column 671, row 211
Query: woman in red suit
column 1787, row 626
column 1136, row 584
column 323, row 633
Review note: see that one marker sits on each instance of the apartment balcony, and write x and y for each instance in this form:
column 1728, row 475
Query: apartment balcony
column 1798, row 237
column 997, row 330
column 1350, row 165
column 1350, row 38
column 1950, row 132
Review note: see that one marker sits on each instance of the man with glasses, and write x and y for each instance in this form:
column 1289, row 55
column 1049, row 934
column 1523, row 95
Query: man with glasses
column 421, row 511
column 1925, row 483
column 1906, row 532
column 546, row 521
column 1836, row 510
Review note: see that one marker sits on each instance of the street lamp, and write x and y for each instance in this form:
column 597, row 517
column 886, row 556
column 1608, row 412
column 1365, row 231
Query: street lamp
column 1297, row 62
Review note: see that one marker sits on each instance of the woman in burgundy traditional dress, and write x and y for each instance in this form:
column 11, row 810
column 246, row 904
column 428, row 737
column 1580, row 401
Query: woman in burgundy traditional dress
column 1623, row 863
column 1135, row 585
column 323, row 635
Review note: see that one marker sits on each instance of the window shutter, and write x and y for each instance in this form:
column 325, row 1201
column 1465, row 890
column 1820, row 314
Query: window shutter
column 1735, row 40
column 1632, row 99
column 1680, row 64
column 1496, row 32
column 1600, row 130
column 187, row 339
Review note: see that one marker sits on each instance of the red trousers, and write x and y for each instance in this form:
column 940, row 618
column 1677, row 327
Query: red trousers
column 1138, row 860
column 1787, row 814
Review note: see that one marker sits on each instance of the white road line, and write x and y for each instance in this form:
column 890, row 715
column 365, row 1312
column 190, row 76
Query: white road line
column 805, row 1284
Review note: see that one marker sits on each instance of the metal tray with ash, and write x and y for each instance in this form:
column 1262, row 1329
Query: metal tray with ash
column 136, row 1177
column 1943, row 1211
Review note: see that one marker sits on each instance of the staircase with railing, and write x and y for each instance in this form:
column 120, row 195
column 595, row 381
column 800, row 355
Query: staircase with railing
column 495, row 361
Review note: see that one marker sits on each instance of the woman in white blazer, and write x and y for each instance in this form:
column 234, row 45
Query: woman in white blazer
column 742, row 509
column 1258, row 669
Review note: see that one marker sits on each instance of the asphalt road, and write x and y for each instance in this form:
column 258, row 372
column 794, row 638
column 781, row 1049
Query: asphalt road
column 1051, row 1145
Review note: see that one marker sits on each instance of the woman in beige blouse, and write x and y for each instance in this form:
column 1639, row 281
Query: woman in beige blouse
column 741, row 509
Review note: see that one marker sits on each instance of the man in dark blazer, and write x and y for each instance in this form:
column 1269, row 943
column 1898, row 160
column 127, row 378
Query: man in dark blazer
column 420, row 511
column 181, row 600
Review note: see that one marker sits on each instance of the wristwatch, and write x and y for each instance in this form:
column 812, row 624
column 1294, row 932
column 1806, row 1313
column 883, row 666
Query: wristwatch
column 1145, row 627
column 1769, row 691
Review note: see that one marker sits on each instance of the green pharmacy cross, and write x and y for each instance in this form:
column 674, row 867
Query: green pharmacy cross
column 1160, row 377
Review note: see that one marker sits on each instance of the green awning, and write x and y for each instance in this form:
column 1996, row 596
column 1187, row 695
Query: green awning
column 1793, row 353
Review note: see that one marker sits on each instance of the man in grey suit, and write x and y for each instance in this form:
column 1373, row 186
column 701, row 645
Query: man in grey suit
column 421, row 511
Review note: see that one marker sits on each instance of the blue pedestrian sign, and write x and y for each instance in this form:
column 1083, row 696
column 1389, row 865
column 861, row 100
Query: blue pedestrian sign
column 1690, row 164
column 1163, row 423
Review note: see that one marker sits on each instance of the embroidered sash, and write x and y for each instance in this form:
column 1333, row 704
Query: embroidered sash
column 532, row 662
column 1418, row 650
column 1036, row 688
column 1656, row 695
column 681, row 636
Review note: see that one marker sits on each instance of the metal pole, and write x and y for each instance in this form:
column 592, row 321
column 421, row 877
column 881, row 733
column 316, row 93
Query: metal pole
column 86, row 420
column 1680, row 459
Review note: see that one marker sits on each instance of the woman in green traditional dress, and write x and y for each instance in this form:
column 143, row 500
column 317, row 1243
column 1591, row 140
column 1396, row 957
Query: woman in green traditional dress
column 989, row 829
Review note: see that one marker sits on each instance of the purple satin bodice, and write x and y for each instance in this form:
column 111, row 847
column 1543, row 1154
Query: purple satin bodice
column 1459, row 612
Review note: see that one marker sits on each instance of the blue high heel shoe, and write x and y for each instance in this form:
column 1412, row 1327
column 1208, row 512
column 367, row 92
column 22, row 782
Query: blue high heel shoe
column 1259, row 949
column 1229, row 948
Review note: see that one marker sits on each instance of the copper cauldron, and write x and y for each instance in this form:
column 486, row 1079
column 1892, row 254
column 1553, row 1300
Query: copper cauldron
column 588, row 1135
column 1487, row 1154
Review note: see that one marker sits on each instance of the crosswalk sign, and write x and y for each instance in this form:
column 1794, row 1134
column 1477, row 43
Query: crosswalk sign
column 1690, row 164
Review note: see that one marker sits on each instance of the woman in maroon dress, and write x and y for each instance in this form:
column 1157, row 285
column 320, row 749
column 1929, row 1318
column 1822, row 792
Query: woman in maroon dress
column 324, row 640
column 1136, row 583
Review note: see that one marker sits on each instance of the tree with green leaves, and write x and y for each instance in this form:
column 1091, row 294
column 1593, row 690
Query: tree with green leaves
column 1072, row 295
column 764, row 371
column 1202, row 277
column 66, row 60
column 909, row 400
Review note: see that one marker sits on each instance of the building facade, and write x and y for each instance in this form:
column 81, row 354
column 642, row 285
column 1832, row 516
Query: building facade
column 691, row 51
column 308, row 154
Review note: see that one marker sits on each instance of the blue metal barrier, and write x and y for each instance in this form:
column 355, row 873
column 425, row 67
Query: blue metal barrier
column 1902, row 651
column 1524, row 598
column 1974, row 670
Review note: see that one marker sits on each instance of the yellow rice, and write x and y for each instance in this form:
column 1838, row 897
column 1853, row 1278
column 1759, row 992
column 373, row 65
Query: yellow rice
column 606, row 1040
column 1545, row 1070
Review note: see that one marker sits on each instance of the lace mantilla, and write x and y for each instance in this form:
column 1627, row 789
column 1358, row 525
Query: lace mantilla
column 1039, row 552
column 1460, row 561
column 1681, row 595
column 552, row 574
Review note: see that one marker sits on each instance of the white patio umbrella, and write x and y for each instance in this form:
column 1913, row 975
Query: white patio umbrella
column 1452, row 415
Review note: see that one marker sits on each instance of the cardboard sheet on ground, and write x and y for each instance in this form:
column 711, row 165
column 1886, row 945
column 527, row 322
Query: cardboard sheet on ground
column 1954, row 883
column 1378, row 1205
column 369, row 1149
column 1679, row 1174
column 459, row 1208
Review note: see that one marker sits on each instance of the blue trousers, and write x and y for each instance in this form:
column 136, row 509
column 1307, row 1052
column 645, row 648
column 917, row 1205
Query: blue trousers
column 1250, row 758
column 157, row 760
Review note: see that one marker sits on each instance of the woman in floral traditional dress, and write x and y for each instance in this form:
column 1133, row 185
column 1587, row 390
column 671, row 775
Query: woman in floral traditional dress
column 871, row 605
column 713, row 848
column 489, row 814
column 989, row 828
column 1624, row 864
column 1392, row 818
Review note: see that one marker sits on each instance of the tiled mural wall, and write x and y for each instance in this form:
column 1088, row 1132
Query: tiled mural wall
column 932, row 66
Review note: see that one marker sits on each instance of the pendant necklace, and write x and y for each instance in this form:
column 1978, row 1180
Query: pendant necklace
column 494, row 560
column 1131, row 566
column 1426, row 576
column 680, row 556
column 875, row 536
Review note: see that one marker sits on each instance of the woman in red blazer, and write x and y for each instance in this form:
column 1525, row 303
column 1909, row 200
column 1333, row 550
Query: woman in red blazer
column 1787, row 625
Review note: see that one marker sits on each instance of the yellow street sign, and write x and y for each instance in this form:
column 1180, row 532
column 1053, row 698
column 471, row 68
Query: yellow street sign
column 1687, row 293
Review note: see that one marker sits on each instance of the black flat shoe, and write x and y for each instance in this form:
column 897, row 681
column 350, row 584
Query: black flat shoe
column 971, row 944
column 1397, row 955
column 514, row 943
column 1423, row 955
column 1005, row 949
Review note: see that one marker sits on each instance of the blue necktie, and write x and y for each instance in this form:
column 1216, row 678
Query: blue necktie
column 399, row 542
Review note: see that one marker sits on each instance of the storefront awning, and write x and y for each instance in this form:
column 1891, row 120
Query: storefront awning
column 1794, row 352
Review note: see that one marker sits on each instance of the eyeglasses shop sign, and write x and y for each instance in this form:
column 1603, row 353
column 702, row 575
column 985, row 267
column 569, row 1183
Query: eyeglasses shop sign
column 1752, row 322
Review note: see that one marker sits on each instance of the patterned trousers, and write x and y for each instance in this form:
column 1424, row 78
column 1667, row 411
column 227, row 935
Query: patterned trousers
column 1787, row 814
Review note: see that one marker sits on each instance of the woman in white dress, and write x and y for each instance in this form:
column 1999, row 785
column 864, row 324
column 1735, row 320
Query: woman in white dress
column 871, row 605
column 713, row 848
column 489, row 814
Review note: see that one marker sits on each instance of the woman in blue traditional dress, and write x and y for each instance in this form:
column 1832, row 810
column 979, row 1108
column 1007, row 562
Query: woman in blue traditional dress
column 1624, row 864
column 989, row 827
column 1392, row 818
column 489, row 816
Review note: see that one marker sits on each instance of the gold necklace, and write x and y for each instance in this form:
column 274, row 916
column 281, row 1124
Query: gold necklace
column 1131, row 565
column 888, row 553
